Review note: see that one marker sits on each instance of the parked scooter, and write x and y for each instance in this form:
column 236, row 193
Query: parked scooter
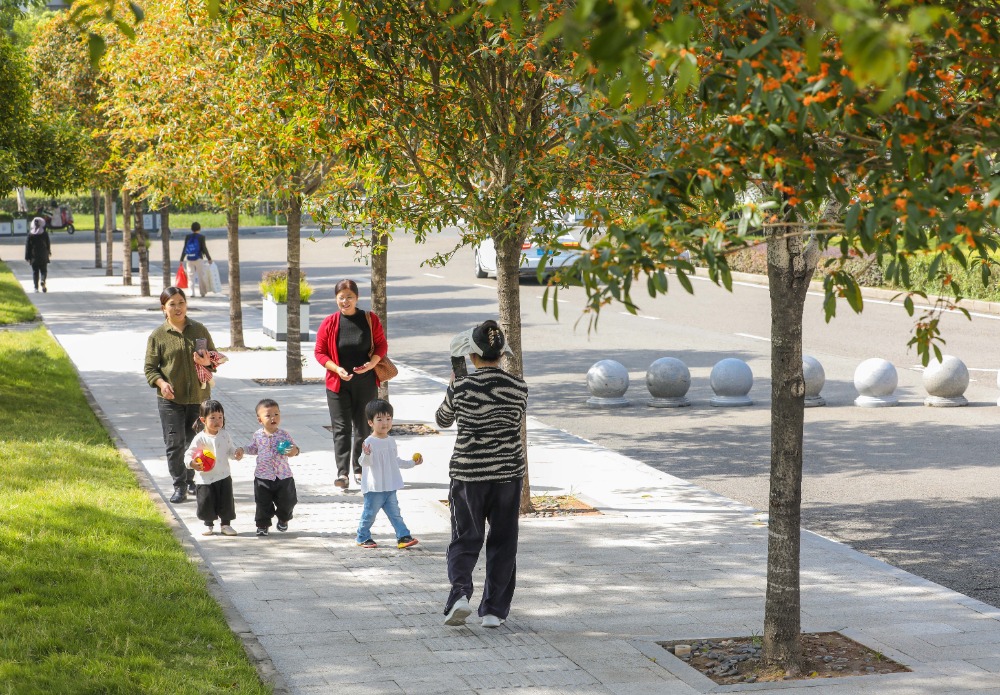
column 62, row 219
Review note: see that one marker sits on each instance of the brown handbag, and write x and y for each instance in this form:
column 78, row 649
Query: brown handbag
column 384, row 368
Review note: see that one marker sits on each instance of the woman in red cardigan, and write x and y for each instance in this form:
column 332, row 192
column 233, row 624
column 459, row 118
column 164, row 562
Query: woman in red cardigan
column 349, row 345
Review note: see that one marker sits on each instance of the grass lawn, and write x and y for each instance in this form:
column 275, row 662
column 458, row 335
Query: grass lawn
column 14, row 306
column 96, row 595
column 180, row 223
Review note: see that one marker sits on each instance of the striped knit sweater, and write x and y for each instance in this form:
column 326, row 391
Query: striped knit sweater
column 489, row 406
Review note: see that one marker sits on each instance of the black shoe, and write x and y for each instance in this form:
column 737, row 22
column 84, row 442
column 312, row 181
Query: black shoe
column 192, row 488
column 282, row 526
column 261, row 531
column 44, row 288
column 178, row 496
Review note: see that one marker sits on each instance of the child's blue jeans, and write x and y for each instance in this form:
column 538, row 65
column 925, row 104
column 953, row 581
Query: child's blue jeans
column 387, row 502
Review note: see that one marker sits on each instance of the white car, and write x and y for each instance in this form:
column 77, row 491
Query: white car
column 531, row 256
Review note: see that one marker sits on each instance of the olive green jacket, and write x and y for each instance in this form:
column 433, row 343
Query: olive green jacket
column 170, row 356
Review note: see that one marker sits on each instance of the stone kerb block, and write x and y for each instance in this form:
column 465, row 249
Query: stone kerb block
column 814, row 377
column 607, row 381
column 731, row 381
column 668, row 380
column 945, row 382
column 876, row 381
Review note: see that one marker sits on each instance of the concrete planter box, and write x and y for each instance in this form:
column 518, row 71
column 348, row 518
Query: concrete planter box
column 20, row 227
column 276, row 320
column 6, row 228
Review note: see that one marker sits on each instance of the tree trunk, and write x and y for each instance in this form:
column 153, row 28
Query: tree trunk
column 95, row 197
column 379, row 278
column 790, row 265
column 109, row 232
column 127, row 237
column 235, row 296
column 508, row 248
column 168, row 277
column 140, row 237
column 293, row 345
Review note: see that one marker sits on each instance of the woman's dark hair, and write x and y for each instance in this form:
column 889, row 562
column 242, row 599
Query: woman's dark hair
column 377, row 406
column 207, row 408
column 195, row 227
column 346, row 285
column 169, row 292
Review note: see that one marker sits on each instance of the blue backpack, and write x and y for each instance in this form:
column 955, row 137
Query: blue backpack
column 192, row 248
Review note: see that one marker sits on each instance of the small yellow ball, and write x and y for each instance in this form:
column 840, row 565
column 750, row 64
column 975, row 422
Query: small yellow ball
column 417, row 457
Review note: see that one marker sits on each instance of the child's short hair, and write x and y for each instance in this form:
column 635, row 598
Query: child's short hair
column 207, row 408
column 378, row 406
column 266, row 403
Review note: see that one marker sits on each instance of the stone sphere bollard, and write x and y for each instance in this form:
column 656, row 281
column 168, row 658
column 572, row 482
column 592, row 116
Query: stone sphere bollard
column 668, row 380
column 815, row 377
column 876, row 380
column 731, row 381
column 608, row 382
column 945, row 382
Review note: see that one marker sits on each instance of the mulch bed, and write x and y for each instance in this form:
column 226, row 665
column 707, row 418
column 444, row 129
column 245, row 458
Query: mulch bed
column 729, row 661
column 547, row 506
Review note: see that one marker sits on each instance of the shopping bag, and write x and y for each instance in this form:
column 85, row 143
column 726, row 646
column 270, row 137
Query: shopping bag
column 181, row 281
column 214, row 278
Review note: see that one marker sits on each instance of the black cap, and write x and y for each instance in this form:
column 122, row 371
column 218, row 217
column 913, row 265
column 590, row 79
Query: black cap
column 489, row 339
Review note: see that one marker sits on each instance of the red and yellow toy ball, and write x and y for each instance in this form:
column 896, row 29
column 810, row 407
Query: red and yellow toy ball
column 206, row 457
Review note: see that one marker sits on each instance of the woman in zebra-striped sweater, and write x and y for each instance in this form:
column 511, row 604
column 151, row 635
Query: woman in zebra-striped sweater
column 486, row 469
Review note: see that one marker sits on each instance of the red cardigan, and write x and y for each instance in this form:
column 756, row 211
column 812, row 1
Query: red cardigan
column 326, row 345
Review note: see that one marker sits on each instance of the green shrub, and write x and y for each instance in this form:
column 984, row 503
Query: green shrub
column 275, row 284
column 865, row 270
column 135, row 243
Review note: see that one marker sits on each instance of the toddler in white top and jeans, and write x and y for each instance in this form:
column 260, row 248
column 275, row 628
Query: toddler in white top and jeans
column 380, row 476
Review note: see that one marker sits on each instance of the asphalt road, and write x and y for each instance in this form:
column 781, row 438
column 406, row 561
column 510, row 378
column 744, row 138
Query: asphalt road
column 912, row 485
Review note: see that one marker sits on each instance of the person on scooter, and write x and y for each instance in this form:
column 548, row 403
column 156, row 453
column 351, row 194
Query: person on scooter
column 37, row 251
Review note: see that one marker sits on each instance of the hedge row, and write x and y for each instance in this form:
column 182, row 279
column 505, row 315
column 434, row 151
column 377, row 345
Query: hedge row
column 82, row 205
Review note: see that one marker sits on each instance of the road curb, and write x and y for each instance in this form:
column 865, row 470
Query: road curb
column 254, row 650
column 976, row 305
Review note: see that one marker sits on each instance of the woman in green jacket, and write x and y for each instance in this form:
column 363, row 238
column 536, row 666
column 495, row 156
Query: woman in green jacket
column 171, row 353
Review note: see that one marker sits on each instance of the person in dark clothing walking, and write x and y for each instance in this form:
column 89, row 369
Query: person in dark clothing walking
column 487, row 470
column 38, row 251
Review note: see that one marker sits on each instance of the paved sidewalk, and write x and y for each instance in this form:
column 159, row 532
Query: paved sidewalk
column 666, row 560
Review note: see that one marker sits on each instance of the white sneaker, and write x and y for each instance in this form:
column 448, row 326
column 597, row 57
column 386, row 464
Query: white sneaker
column 228, row 530
column 209, row 530
column 458, row 613
column 492, row 621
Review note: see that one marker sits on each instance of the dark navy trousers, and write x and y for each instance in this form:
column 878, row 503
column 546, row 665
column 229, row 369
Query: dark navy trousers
column 473, row 505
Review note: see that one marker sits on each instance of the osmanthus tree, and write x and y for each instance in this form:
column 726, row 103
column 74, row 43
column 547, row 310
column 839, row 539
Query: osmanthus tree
column 180, row 91
column 66, row 96
column 15, row 114
column 444, row 116
column 783, row 128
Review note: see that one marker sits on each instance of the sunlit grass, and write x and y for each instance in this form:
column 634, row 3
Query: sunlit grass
column 96, row 595
column 14, row 306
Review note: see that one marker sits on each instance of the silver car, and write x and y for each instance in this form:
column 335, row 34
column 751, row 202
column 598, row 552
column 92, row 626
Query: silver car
column 531, row 256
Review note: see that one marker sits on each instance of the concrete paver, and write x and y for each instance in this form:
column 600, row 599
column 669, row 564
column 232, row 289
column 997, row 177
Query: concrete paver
column 667, row 560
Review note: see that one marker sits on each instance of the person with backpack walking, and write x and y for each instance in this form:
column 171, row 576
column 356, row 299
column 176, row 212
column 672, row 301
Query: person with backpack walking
column 193, row 255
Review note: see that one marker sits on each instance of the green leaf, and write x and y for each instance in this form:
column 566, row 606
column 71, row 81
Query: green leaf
column 852, row 292
column 685, row 281
column 212, row 7
column 96, row 47
column 687, row 71
column 813, row 48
